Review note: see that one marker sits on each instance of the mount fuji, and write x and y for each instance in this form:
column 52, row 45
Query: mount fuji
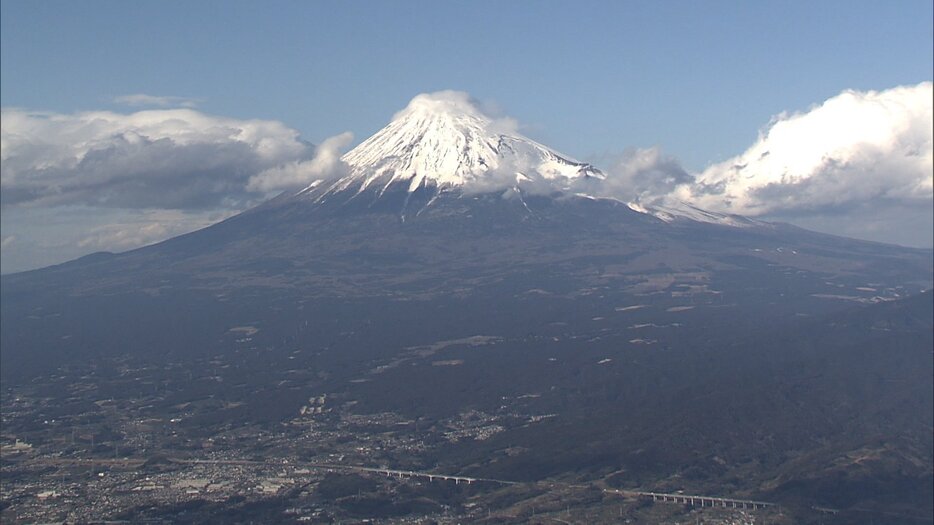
column 446, row 200
column 454, row 265
column 442, row 143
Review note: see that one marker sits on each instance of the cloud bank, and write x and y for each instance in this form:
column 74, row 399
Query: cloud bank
column 117, row 181
column 326, row 164
column 642, row 175
column 855, row 149
column 159, row 159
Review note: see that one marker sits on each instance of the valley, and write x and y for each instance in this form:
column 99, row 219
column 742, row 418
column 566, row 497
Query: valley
column 178, row 440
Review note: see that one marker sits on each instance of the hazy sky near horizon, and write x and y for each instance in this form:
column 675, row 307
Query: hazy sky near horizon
column 597, row 80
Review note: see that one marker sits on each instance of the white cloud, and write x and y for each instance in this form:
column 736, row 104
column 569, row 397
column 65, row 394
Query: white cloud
column 74, row 183
column 445, row 101
column 643, row 175
column 143, row 100
column 326, row 164
column 461, row 103
column 168, row 159
column 854, row 149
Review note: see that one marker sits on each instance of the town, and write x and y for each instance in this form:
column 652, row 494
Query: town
column 75, row 450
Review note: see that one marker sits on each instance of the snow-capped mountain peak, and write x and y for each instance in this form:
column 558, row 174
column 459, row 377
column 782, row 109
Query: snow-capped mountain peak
column 445, row 143
column 444, row 140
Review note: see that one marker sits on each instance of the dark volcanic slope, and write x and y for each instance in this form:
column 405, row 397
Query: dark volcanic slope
column 481, row 257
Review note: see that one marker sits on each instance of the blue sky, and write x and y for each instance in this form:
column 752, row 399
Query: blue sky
column 697, row 78
column 592, row 79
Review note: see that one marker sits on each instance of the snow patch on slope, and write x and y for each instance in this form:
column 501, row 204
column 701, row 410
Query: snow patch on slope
column 680, row 210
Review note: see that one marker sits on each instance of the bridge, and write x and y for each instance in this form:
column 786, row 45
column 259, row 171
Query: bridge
column 430, row 476
column 694, row 500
